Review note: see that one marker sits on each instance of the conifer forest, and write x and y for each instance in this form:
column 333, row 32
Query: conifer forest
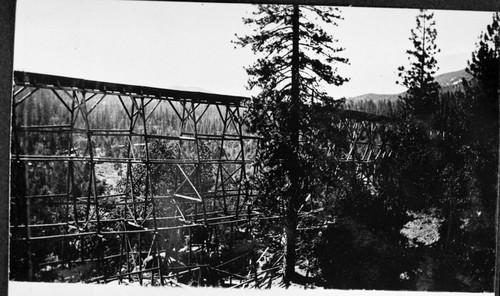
column 292, row 186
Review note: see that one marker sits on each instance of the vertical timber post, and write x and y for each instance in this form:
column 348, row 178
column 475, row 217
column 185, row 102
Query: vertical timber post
column 497, row 228
column 7, row 25
column 149, row 191
column 243, row 172
column 497, row 222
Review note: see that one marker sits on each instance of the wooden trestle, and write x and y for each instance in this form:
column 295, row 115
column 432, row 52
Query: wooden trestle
column 183, row 200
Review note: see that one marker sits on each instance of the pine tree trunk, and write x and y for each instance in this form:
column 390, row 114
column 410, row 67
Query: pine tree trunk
column 290, row 244
column 294, row 125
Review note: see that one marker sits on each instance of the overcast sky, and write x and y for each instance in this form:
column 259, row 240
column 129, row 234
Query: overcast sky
column 188, row 45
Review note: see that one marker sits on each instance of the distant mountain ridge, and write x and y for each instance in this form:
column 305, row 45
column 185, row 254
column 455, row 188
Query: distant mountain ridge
column 448, row 81
column 452, row 78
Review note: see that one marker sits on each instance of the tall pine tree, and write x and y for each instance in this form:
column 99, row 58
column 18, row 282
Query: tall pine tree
column 296, row 56
column 484, row 65
column 485, row 68
column 484, row 142
column 422, row 95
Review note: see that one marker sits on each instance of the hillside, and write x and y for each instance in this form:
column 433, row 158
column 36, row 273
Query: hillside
column 452, row 78
column 374, row 97
column 448, row 81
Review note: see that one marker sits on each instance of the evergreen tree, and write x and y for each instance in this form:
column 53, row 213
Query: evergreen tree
column 485, row 68
column 445, row 165
column 484, row 65
column 414, row 132
column 296, row 56
column 411, row 180
column 482, row 141
column 423, row 90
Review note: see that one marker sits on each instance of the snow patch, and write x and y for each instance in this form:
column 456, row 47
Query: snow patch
column 59, row 289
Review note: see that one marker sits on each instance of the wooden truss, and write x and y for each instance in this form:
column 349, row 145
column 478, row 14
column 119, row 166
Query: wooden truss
column 367, row 143
column 146, row 216
column 179, row 196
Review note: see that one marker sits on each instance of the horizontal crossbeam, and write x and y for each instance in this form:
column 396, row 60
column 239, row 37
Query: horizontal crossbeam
column 91, row 86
